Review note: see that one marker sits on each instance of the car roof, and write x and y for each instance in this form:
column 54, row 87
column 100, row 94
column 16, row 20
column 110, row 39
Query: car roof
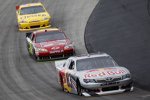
column 89, row 56
column 31, row 4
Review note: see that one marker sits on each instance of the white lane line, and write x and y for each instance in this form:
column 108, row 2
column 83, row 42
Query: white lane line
column 146, row 96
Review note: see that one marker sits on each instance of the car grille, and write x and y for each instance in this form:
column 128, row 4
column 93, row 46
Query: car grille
column 53, row 57
column 37, row 26
column 34, row 21
column 105, row 80
column 104, row 89
column 110, row 88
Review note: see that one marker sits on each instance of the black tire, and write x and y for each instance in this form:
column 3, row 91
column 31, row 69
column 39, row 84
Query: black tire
column 79, row 88
column 35, row 57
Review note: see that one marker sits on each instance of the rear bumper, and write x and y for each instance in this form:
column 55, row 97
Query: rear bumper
column 34, row 25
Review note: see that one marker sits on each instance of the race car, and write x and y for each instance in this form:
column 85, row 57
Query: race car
column 32, row 16
column 93, row 74
column 49, row 43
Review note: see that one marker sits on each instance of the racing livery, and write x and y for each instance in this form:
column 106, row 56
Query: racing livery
column 32, row 16
column 49, row 44
column 93, row 74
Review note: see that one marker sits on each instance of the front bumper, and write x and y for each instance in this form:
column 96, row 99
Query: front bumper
column 34, row 25
column 102, row 89
column 55, row 55
column 106, row 92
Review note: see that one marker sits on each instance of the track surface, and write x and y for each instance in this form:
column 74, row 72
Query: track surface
column 122, row 29
column 21, row 78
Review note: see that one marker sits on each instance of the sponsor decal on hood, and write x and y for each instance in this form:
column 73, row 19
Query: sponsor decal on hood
column 104, row 72
column 33, row 15
column 53, row 43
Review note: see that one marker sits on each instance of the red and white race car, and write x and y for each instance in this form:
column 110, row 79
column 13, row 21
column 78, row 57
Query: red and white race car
column 49, row 44
column 95, row 74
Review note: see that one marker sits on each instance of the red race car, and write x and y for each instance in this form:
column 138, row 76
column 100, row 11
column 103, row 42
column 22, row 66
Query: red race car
column 49, row 44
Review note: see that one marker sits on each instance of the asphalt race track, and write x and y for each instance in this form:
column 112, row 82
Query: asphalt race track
column 21, row 78
column 122, row 29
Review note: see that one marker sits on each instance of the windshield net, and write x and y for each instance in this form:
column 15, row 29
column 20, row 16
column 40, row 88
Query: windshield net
column 31, row 10
column 95, row 63
column 50, row 36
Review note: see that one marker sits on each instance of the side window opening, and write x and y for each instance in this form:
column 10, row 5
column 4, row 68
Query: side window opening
column 71, row 66
column 64, row 64
column 32, row 38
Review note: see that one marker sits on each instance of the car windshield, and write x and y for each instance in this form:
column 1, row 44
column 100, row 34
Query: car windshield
column 95, row 63
column 31, row 10
column 50, row 36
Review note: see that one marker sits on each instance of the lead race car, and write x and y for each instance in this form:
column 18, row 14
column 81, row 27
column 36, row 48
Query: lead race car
column 32, row 16
column 49, row 44
column 93, row 74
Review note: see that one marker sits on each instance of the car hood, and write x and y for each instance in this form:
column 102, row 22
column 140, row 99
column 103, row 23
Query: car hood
column 103, row 73
column 52, row 45
column 34, row 17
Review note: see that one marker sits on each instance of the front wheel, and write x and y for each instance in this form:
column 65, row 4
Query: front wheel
column 35, row 57
column 79, row 88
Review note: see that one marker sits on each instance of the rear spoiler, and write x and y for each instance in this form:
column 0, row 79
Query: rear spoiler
column 28, row 34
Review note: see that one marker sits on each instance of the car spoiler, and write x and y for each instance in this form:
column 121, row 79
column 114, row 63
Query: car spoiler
column 28, row 34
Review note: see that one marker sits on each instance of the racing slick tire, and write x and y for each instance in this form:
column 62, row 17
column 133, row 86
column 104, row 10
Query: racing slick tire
column 35, row 57
column 79, row 88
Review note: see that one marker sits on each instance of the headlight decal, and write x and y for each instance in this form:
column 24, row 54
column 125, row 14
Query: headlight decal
column 22, row 21
column 41, row 50
column 46, row 18
column 126, row 76
column 89, row 80
column 68, row 46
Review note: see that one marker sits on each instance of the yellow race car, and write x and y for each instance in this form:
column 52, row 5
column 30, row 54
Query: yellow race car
column 32, row 16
